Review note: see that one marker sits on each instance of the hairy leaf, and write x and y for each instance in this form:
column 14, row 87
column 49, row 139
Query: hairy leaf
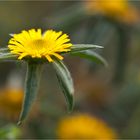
column 83, row 47
column 4, row 56
column 31, row 89
column 91, row 55
column 65, row 82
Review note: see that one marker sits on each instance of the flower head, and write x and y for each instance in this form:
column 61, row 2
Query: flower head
column 120, row 10
column 10, row 102
column 37, row 45
column 83, row 126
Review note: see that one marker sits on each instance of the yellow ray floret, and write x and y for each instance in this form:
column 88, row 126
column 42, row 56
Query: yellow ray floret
column 37, row 45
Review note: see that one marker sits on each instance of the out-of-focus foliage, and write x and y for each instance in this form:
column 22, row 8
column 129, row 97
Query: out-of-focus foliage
column 9, row 132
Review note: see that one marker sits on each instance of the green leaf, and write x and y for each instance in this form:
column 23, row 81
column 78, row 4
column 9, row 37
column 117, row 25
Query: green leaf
column 65, row 81
column 83, row 47
column 31, row 89
column 4, row 50
column 12, row 35
column 93, row 56
column 4, row 56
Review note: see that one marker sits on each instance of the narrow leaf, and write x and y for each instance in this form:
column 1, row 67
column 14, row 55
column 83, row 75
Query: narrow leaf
column 91, row 55
column 11, row 34
column 4, row 50
column 31, row 89
column 7, row 56
column 65, row 81
column 83, row 47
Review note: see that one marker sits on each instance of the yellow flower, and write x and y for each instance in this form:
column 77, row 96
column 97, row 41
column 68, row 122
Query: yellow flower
column 83, row 126
column 37, row 45
column 10, row 102
column 118, row 9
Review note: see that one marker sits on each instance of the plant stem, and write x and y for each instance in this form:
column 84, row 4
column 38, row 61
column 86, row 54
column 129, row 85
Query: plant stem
column 122, row 54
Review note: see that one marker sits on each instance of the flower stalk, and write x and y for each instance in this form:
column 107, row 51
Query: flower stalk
column 31, row 88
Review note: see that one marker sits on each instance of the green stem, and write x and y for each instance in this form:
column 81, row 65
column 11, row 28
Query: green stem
column 122, row 54
column 31, row 88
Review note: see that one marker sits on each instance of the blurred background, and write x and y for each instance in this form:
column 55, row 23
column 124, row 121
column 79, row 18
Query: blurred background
column 107, row 99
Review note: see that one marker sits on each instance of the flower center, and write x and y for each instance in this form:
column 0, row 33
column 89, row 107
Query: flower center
column 38, row 43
